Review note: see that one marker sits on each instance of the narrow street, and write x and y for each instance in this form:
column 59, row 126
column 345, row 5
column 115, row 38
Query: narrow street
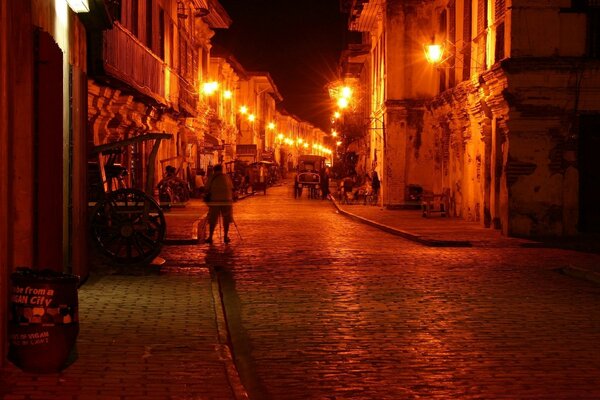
column 319, row 306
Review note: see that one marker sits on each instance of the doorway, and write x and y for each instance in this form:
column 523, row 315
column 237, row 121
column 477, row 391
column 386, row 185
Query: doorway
column 589, row 174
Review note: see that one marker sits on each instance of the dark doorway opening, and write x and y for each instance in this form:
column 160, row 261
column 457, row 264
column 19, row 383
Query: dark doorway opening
column 589, row 174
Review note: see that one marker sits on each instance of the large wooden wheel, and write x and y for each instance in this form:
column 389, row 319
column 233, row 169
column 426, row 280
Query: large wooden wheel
column 128, row 226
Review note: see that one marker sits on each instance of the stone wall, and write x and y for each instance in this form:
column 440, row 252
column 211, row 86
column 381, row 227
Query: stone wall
column 505, row 146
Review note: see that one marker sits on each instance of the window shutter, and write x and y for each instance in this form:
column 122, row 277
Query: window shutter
column 499, row 9
column 467, row 37
column 481, row 15
column 499, row 51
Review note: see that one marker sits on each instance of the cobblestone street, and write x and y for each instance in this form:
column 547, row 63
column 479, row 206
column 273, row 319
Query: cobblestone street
column 320, row 306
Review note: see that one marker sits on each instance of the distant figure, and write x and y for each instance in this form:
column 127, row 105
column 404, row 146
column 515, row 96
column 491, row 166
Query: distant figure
column 325, row 184
column 200, row 182
column 219, row 190
column 375, row 184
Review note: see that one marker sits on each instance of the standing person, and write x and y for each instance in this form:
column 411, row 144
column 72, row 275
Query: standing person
column 376, row 185
column 325, row 183
column 219, row 192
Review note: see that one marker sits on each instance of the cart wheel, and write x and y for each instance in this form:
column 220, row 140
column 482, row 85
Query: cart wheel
column 129, row 226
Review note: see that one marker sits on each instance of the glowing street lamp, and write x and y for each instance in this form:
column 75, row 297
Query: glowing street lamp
column 346, row 92
column 434, row 53
column 271, row 126
column 342, row 102
column 251, row 117
column 227, row 94
column 334, row 133
column 337, row 115
column 209, row 88
column 243, row 110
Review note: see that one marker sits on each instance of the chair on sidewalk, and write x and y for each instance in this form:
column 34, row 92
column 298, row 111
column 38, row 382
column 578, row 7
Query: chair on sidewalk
column 435, row 203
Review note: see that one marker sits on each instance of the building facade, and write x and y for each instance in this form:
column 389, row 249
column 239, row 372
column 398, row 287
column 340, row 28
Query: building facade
column 147, row 74
column 503, row 122
column 43, row 100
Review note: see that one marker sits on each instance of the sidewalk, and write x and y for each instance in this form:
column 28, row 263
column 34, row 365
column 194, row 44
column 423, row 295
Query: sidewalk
column 454, row 232
column 440, row 231
column 431, row 231
column 145, row 333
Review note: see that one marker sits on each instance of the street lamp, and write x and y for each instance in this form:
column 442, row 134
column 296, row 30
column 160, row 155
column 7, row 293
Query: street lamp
column 434, row 53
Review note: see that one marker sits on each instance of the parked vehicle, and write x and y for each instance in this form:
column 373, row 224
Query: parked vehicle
column 259, row 175
column 308, row 175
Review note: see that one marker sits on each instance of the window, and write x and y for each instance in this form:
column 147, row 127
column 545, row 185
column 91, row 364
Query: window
column 443, row 38
column 593, row 34
column 161, row 33
column 134, row 17
column 149, row 23
column 467, row 37
column 499, row 11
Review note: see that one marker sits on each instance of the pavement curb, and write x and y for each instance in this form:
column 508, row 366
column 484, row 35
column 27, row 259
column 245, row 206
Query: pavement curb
column 580, row 273
column 194, row 239
column 225, row 350
column 398, row 232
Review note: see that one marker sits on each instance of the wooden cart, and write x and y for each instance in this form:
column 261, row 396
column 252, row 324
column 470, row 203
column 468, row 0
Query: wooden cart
column 127, row 224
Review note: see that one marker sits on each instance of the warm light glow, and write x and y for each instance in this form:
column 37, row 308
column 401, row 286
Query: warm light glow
column 342, row 102
column 300, row 140
column 434, row 53
column 346, row 92
column 334, row 133
column 209, row 88
column 271, row 126
column 338, row 143
column 305, row 145
column 79, row 6
column 251, row 117
column 227, row 94
column 243, row 109
column 337, row 114
column 280, row 136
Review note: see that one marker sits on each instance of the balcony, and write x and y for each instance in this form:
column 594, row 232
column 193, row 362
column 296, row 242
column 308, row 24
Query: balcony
column 188, row 97
column 127, row 60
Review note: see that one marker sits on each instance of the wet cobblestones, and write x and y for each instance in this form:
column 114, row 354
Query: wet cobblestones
column 325, row 307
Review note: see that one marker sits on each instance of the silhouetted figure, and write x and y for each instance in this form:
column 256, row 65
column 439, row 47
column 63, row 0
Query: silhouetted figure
column 219, row 190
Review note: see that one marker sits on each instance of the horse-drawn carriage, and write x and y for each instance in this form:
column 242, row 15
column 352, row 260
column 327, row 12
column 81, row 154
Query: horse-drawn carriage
column 127, row 223
column 308, row 176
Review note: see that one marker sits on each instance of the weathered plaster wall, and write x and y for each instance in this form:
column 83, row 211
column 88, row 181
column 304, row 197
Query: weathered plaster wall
column 541, row 170
column 505, row 145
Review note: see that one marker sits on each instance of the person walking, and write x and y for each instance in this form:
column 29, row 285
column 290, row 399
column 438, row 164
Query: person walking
column 219, row 197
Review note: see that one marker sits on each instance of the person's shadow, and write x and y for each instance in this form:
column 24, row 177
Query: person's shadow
column 221, row 263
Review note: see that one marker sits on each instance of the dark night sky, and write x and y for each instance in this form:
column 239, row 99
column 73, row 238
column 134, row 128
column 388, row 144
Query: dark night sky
column 297, row 42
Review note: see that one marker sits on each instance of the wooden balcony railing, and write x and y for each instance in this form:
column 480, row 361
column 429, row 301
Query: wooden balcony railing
column 128, row 60
column 188, row 96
